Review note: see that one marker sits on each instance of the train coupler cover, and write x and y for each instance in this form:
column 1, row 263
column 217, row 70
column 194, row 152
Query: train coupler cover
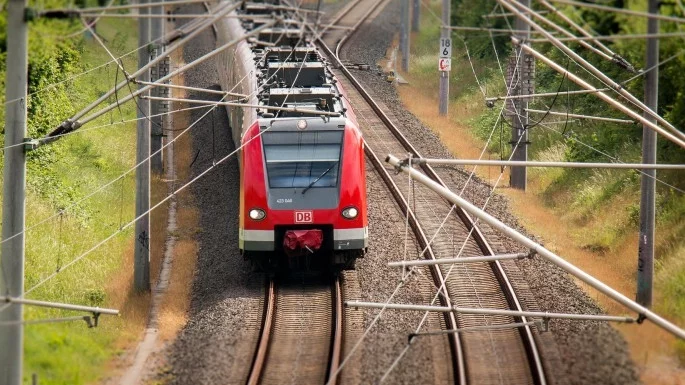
column 301, row 242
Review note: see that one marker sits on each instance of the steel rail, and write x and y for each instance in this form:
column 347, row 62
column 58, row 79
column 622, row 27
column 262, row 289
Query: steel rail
column 265, row 335
column 355, row 27
column 456, row 346
column 333, row 23
column 535, row 361
column 336, row 345
column 259, row 361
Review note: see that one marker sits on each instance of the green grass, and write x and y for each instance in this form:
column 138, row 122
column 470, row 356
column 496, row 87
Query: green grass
column 70, row 353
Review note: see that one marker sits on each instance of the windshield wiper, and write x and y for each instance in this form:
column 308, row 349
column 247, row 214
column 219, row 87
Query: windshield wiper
column 320, row 176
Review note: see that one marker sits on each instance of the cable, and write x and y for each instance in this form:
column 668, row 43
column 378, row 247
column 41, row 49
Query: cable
column 440, row 290
column 131, row 169
column 102, row 187
column 561, row 83
column 71, row 78
column 443, row 286
column 183, row 187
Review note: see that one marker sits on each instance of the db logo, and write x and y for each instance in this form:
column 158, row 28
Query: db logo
column 303, row 217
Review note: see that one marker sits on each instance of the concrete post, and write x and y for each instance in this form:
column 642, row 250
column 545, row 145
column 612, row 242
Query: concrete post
column 14, row 188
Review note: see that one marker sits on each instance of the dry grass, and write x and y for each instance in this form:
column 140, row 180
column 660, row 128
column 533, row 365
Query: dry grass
column 174, row 309
column 133, row 307
column 158, row 226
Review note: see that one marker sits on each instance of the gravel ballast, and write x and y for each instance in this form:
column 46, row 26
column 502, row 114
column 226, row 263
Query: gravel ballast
column 217, row 344
column 584, row 352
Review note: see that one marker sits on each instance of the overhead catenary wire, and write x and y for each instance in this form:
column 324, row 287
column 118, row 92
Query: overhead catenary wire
column 126, row 172
column 643, row 312
column 565, row 32
column 594, row 165
column 77, row 123
column 204, row 90
column 623, row 83
column 74, row 123
column 615, row 159
column 442, row 287
column 96, row 18
column 576, row 26
column 594, row 71
column 621, row 107
column 78, row 11
column 580, row 116
column 83, row 73
column 246, row 105
column 443, row 284
column 161, row 202
column 620, row 10
column 616, row 37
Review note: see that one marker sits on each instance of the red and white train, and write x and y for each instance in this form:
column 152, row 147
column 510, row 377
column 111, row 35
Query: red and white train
column 302, row 170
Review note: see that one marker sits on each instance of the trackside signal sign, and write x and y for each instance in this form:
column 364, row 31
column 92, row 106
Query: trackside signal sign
column 444, row 64
column 445, row 60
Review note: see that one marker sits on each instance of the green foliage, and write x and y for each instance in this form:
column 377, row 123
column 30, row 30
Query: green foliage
column 483, row 129
column 585, row 194
column 471, row 13
column 63, row 173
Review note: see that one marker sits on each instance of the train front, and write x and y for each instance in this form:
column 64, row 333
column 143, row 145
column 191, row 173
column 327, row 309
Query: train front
column 303, row 195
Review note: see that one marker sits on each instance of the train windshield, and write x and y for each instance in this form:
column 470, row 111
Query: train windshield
column 302, row 159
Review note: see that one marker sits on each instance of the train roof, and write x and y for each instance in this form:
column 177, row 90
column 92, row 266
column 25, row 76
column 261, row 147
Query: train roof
column 313, row 124
column 291, row 73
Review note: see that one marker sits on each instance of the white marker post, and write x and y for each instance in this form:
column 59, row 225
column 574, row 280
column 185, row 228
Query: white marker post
column 444, row 62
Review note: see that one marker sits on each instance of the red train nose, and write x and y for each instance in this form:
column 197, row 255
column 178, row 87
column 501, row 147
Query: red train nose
column 299, row 242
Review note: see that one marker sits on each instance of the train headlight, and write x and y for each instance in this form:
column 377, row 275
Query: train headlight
column 257, row 214
column 350, row 212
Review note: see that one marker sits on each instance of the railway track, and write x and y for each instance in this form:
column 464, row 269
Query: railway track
column 495, row 357
column 301, row 336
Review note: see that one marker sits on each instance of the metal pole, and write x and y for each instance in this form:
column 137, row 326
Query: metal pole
column 645, row 261
column 576, row 26
column 156, row 32
column 621, row 10
column 141, row 270
column 58, row 305
column 507, row 163
column 581, row 116
column 519, row 126
column 404, row 35
column 416, row 15
column 13, row 201
column 486, row 311
column 445, row 33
